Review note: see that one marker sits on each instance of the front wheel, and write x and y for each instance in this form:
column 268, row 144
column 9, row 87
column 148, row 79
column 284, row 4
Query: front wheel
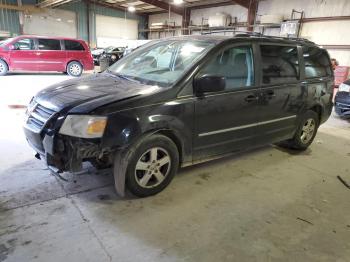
column 3, row 68
column 152, row 166
column 305, row 132
column 74, row 69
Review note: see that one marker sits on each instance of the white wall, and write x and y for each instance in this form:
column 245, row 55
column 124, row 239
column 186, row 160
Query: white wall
column 164, row 18
column 52, row 22
column 233, row 10
column 322, row 33
column 114, row 27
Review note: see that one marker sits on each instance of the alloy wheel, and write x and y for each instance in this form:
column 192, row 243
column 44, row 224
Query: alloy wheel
column 308, row 131
column 75, row 69
column 2, row 68
column 152, row 167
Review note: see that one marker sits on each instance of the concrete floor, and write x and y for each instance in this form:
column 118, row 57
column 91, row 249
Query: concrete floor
column 265, row 205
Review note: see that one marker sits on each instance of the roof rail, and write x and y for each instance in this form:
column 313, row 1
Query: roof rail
column 256, row 34
column 237, row 32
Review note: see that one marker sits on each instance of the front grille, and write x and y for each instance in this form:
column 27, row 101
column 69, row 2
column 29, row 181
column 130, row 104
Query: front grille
column 38, row 116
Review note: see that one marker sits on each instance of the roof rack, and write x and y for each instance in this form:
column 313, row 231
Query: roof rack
column 238, row 33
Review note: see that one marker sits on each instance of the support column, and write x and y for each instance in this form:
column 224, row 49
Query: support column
column 252, row 10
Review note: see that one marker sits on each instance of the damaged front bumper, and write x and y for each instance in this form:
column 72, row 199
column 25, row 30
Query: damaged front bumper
column 60, row 152
column 63, row 153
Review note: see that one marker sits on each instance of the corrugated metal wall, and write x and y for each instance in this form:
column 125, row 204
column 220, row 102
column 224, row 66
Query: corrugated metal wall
column 9, row 20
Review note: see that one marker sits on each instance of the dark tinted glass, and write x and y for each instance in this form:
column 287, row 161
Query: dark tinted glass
column 317, row 63
column 235, row 64
column 73, row 45
column 24, row 44
column 280, row 64
column 49, row 44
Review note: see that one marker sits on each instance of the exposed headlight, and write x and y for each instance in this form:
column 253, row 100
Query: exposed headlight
column 84, row 126
column 114, row 57
column 344, row 88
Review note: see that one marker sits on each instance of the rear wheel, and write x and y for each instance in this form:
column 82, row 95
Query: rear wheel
column 3, row 68
column 305, row 133
column 152, row 166
column 74, row 69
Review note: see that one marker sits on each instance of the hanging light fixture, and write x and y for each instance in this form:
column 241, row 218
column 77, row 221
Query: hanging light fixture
column 131, row 9
column 178, row 2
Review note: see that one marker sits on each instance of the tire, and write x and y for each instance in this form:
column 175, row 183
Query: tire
column 305, row 133
column 152, row 165
column 74, row 69
column 3, row 68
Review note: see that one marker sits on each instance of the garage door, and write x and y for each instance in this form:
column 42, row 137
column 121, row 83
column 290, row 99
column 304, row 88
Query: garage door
column 57, row 23
column 113, row 27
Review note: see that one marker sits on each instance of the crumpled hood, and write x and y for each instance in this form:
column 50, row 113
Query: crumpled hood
column 92, row 91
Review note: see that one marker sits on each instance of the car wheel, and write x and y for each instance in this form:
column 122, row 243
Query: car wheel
column 306, row 132
column 152, row 166
column 3, row 68
column 74, row 69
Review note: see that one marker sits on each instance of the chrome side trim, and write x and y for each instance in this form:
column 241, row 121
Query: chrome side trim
column 245, row 126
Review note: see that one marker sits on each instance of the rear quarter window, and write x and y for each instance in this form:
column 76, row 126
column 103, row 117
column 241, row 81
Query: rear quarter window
column 317, row 63
column 73, row 45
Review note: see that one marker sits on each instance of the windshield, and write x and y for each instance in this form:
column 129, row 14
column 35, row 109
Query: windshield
column 4, row 42
column 162, row 63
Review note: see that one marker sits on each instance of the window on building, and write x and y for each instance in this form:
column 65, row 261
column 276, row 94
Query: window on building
column 280, row 64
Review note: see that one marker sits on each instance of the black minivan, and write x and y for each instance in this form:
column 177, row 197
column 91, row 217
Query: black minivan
column 179, row 101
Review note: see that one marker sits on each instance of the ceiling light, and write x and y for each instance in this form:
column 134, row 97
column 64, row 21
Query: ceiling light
column 131, row 9
column 178, row 2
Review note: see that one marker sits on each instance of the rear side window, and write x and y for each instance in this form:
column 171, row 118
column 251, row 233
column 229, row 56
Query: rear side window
column 49, row 44
column 73, row 45
column 280, row 64
column 24, row 44
column 317, row 63
column 235, row 64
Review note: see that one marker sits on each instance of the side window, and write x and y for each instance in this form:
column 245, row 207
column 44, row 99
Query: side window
column 49, row 44
column 317, row 63
column 235, row 64
column 24, row 44
column 73, row 45
column 280, row 64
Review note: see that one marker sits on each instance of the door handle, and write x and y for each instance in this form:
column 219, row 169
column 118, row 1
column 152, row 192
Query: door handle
column 38, row 53
column 270, row 94
column 251, row 98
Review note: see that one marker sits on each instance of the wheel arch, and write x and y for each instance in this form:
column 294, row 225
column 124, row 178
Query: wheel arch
column 318, row 109
column 4, row 60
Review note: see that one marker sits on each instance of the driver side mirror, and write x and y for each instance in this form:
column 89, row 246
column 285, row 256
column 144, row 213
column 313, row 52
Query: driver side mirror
column 11, row 47
column 209, row 84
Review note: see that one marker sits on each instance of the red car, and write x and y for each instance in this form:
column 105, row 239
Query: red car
column 36, row 53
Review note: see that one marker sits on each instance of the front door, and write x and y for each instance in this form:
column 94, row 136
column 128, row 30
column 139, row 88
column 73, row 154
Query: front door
column 281, row 92
column 24, row 56
column 226, row 121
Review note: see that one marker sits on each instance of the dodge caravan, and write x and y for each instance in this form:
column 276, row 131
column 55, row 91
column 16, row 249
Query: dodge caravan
column 35, row 53
column 180, row 101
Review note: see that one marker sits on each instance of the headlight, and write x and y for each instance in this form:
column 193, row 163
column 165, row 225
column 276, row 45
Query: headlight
column 84, row 126
column 114, row 57
column 344, row 88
